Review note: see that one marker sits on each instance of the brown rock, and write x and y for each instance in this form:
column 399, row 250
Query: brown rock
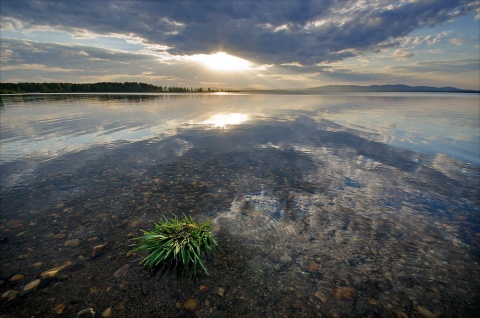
column 297, row 305
column 313, row 266
column 321, row 296
column 344, row 293
column 190, row 305
column 107, row 312
column 59, row 236
column 426, row 312
column 72, row 243
column 203, row 289
column 53, row 272
column 9, row 295
column 37, row 264
column 14, row 223
column 121, row 271
column 400, row 314
column 99, row 249
column 16, row 277
column 59, row 309
column 32, row 285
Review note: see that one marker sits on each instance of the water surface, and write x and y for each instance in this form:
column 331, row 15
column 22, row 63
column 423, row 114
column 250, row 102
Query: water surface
column 324, row 205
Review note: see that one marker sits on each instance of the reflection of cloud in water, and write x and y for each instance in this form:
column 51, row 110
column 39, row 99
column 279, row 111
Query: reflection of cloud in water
column 55, row 144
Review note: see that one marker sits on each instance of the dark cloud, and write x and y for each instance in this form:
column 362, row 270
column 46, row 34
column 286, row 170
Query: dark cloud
column 307, row 32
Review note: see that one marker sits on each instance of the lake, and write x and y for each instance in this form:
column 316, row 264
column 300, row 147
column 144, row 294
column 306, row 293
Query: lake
column 332, row 205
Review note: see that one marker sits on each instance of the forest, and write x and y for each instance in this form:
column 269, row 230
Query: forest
column 101, row 87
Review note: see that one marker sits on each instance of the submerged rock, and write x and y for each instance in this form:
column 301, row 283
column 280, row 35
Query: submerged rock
column 344, row 293
column 426, row 312
column 53, row 272
column 190, row 305
column 121, row 271
column 99, row 249
column 86, row 313
column 32, row 285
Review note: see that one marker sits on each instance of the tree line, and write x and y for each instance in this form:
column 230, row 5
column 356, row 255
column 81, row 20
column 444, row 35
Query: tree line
column 101, row 87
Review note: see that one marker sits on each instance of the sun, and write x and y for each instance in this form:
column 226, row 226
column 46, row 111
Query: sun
column 222, row 61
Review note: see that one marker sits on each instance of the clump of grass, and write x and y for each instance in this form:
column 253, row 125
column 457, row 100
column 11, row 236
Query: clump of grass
column 178, row 245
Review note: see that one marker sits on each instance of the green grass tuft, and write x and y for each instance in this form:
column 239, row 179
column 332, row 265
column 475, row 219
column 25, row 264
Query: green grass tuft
column 178, row 245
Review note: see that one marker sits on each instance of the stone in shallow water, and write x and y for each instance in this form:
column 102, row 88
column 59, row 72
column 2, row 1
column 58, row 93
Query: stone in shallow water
column 53, row 272
column 285, row 259
column 121, row 271
column 86, row 313
column 99, row 249
column 190, row 305
column 59, row 309
column 9, row 295
column 321, row 296
column 426, row 312
column 72, row 243
column 16, row 277
column 107, row 312
column 344, row 293
column 32, row 285
column 313, row 266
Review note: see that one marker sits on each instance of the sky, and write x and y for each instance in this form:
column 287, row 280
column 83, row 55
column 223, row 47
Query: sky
column 240, row 44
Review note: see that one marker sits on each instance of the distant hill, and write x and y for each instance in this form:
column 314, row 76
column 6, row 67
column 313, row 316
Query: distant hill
column 386, row 88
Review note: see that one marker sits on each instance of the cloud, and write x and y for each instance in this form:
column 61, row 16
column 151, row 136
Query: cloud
column 304, row 32
column 451, row 66
column 402, row 54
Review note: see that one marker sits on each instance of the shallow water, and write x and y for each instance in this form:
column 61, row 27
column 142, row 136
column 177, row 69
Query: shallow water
column 324, row 205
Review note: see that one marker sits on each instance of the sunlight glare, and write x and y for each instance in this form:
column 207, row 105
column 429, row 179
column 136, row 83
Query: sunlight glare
column 224, row 120
column 222, row 61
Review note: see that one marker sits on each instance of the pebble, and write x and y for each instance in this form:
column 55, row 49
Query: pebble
column 190, row 305
column 203, row 289
column 426, row 312
column 59, row 309
column 321, row 296
column 86, row 313
column 121, row 271
column 297, row 305
column 32, row 285
column 344, row 293
column 400, row 314
column 221, row 291
column 37, row 264
column 14, row 223
column 72, row 243
column 53, row 272
column 16, row 277
column 285, row 259
column 9, row 295
column 99, row 249
column 107, row 312
column 313, row 266
column 59, row 236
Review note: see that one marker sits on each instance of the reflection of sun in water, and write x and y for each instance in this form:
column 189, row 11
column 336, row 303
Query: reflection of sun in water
column 222, row 61
column 223, row 120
